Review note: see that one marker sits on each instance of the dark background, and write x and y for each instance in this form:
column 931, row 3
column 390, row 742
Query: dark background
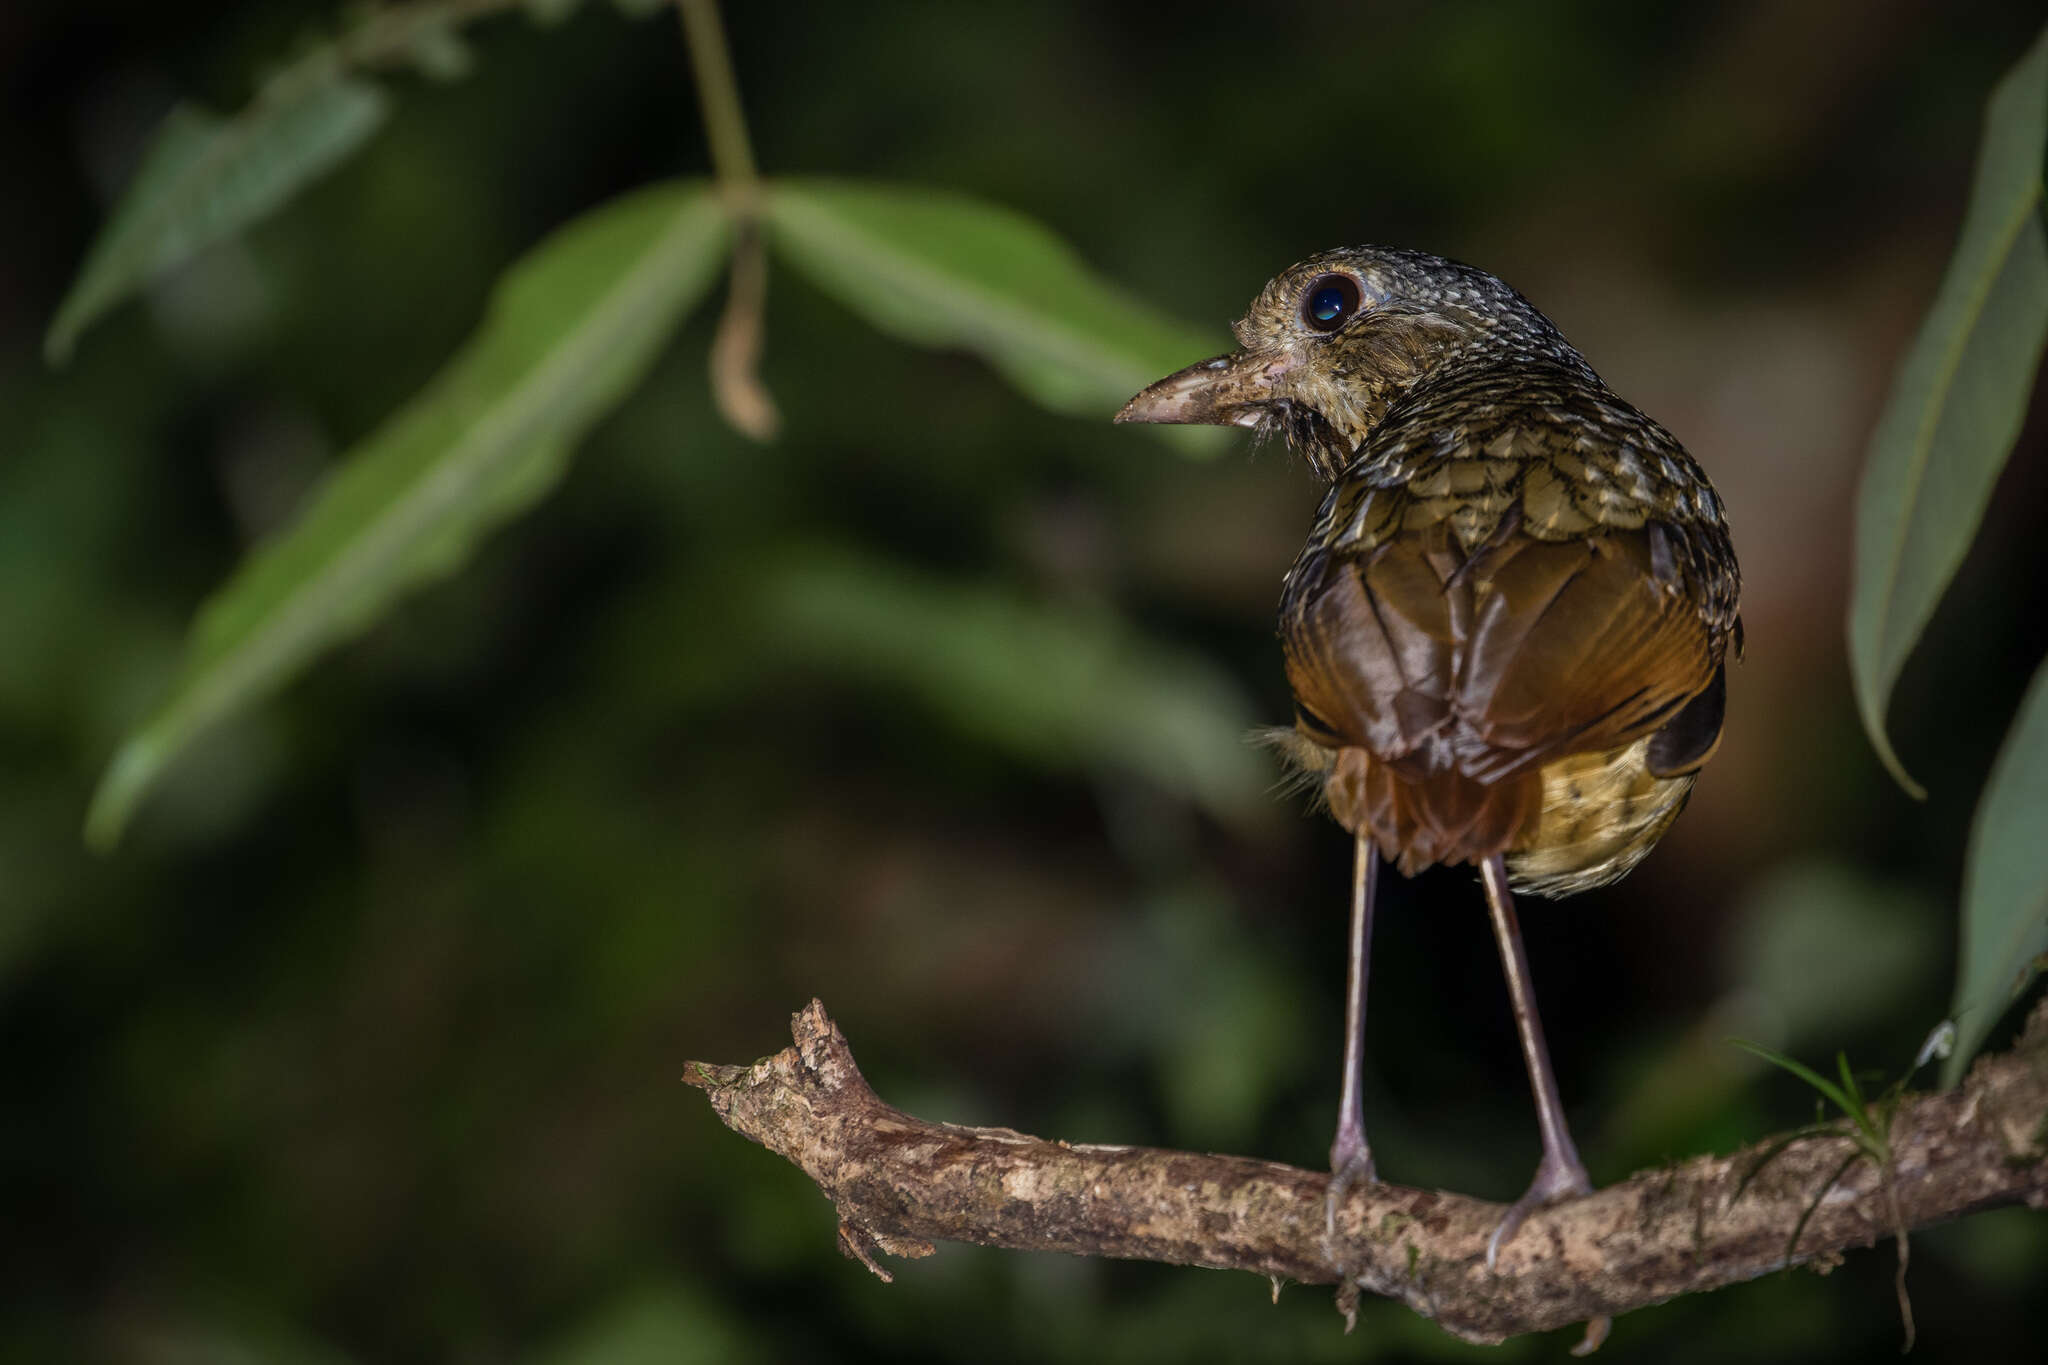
column 365, row 1045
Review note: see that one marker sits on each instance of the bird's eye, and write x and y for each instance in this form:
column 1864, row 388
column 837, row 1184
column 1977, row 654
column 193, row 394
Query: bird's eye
column 1329, row 302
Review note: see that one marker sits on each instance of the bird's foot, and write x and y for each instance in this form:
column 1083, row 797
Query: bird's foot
column 1350, row 1166
column 1556, row 1179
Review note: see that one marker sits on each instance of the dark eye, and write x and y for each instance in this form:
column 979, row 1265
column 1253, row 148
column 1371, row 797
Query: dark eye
column 1329, row 302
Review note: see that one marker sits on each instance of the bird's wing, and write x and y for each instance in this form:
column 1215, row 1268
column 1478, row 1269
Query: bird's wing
column 1491, row 661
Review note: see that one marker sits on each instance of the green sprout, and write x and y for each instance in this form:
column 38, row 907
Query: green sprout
column 1866, row 1124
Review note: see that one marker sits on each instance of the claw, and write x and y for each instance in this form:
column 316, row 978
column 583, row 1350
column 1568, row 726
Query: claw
column 1596, row 1333
column 1555, row 1180
column 1350, row 1165
column 1347, row 1169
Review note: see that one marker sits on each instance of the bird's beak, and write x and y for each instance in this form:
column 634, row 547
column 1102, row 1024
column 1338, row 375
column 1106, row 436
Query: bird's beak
column 1231, row 390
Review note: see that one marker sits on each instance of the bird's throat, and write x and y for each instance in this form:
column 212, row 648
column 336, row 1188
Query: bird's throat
column 1311, row 436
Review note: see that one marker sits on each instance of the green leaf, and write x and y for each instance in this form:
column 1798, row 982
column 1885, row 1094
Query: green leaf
column 940, row 269
column 2005, row 882
column 205, row 178
column 571, row 328
column 1957, row 405
column 1063, row 686
column 1826, row 1087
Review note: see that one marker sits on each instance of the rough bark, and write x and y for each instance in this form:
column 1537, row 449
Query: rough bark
column 900, row 1183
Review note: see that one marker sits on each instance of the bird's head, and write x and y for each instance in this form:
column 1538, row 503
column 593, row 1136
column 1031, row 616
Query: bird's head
column 1331, row 343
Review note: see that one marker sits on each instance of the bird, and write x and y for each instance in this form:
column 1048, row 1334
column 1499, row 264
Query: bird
column 1508, row 631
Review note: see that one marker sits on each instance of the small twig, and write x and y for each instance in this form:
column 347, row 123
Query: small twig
column 736, row 387
column 900, row 1183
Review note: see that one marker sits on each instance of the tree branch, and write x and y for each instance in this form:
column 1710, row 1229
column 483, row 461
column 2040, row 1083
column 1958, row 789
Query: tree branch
column 901, row 1183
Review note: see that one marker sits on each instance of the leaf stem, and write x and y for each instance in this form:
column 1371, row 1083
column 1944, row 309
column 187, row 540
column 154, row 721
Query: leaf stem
column 736, row 387
column 718, row 96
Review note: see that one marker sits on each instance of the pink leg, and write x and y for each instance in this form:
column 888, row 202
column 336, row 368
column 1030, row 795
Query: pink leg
column 1350, row 1156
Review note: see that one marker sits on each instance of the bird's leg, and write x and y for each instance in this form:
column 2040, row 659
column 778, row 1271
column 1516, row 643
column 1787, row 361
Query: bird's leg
column 1560, row 1173
column 1350, row 1157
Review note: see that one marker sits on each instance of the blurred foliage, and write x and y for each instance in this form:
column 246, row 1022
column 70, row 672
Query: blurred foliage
column 1960, row 398
column 1957, row 408
column 2005, row 883
column 943, row 270
column 366, row 1044
column 1066, row 687
column 207, row 178
column 571, row 328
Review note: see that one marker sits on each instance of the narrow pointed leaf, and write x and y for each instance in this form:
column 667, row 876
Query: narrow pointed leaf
column 1826, row 1087
column 2005, row 882
column 206, row 177
column 1957, row 405
column 571, row 328
column 1849, row 1085
column 941, row 269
